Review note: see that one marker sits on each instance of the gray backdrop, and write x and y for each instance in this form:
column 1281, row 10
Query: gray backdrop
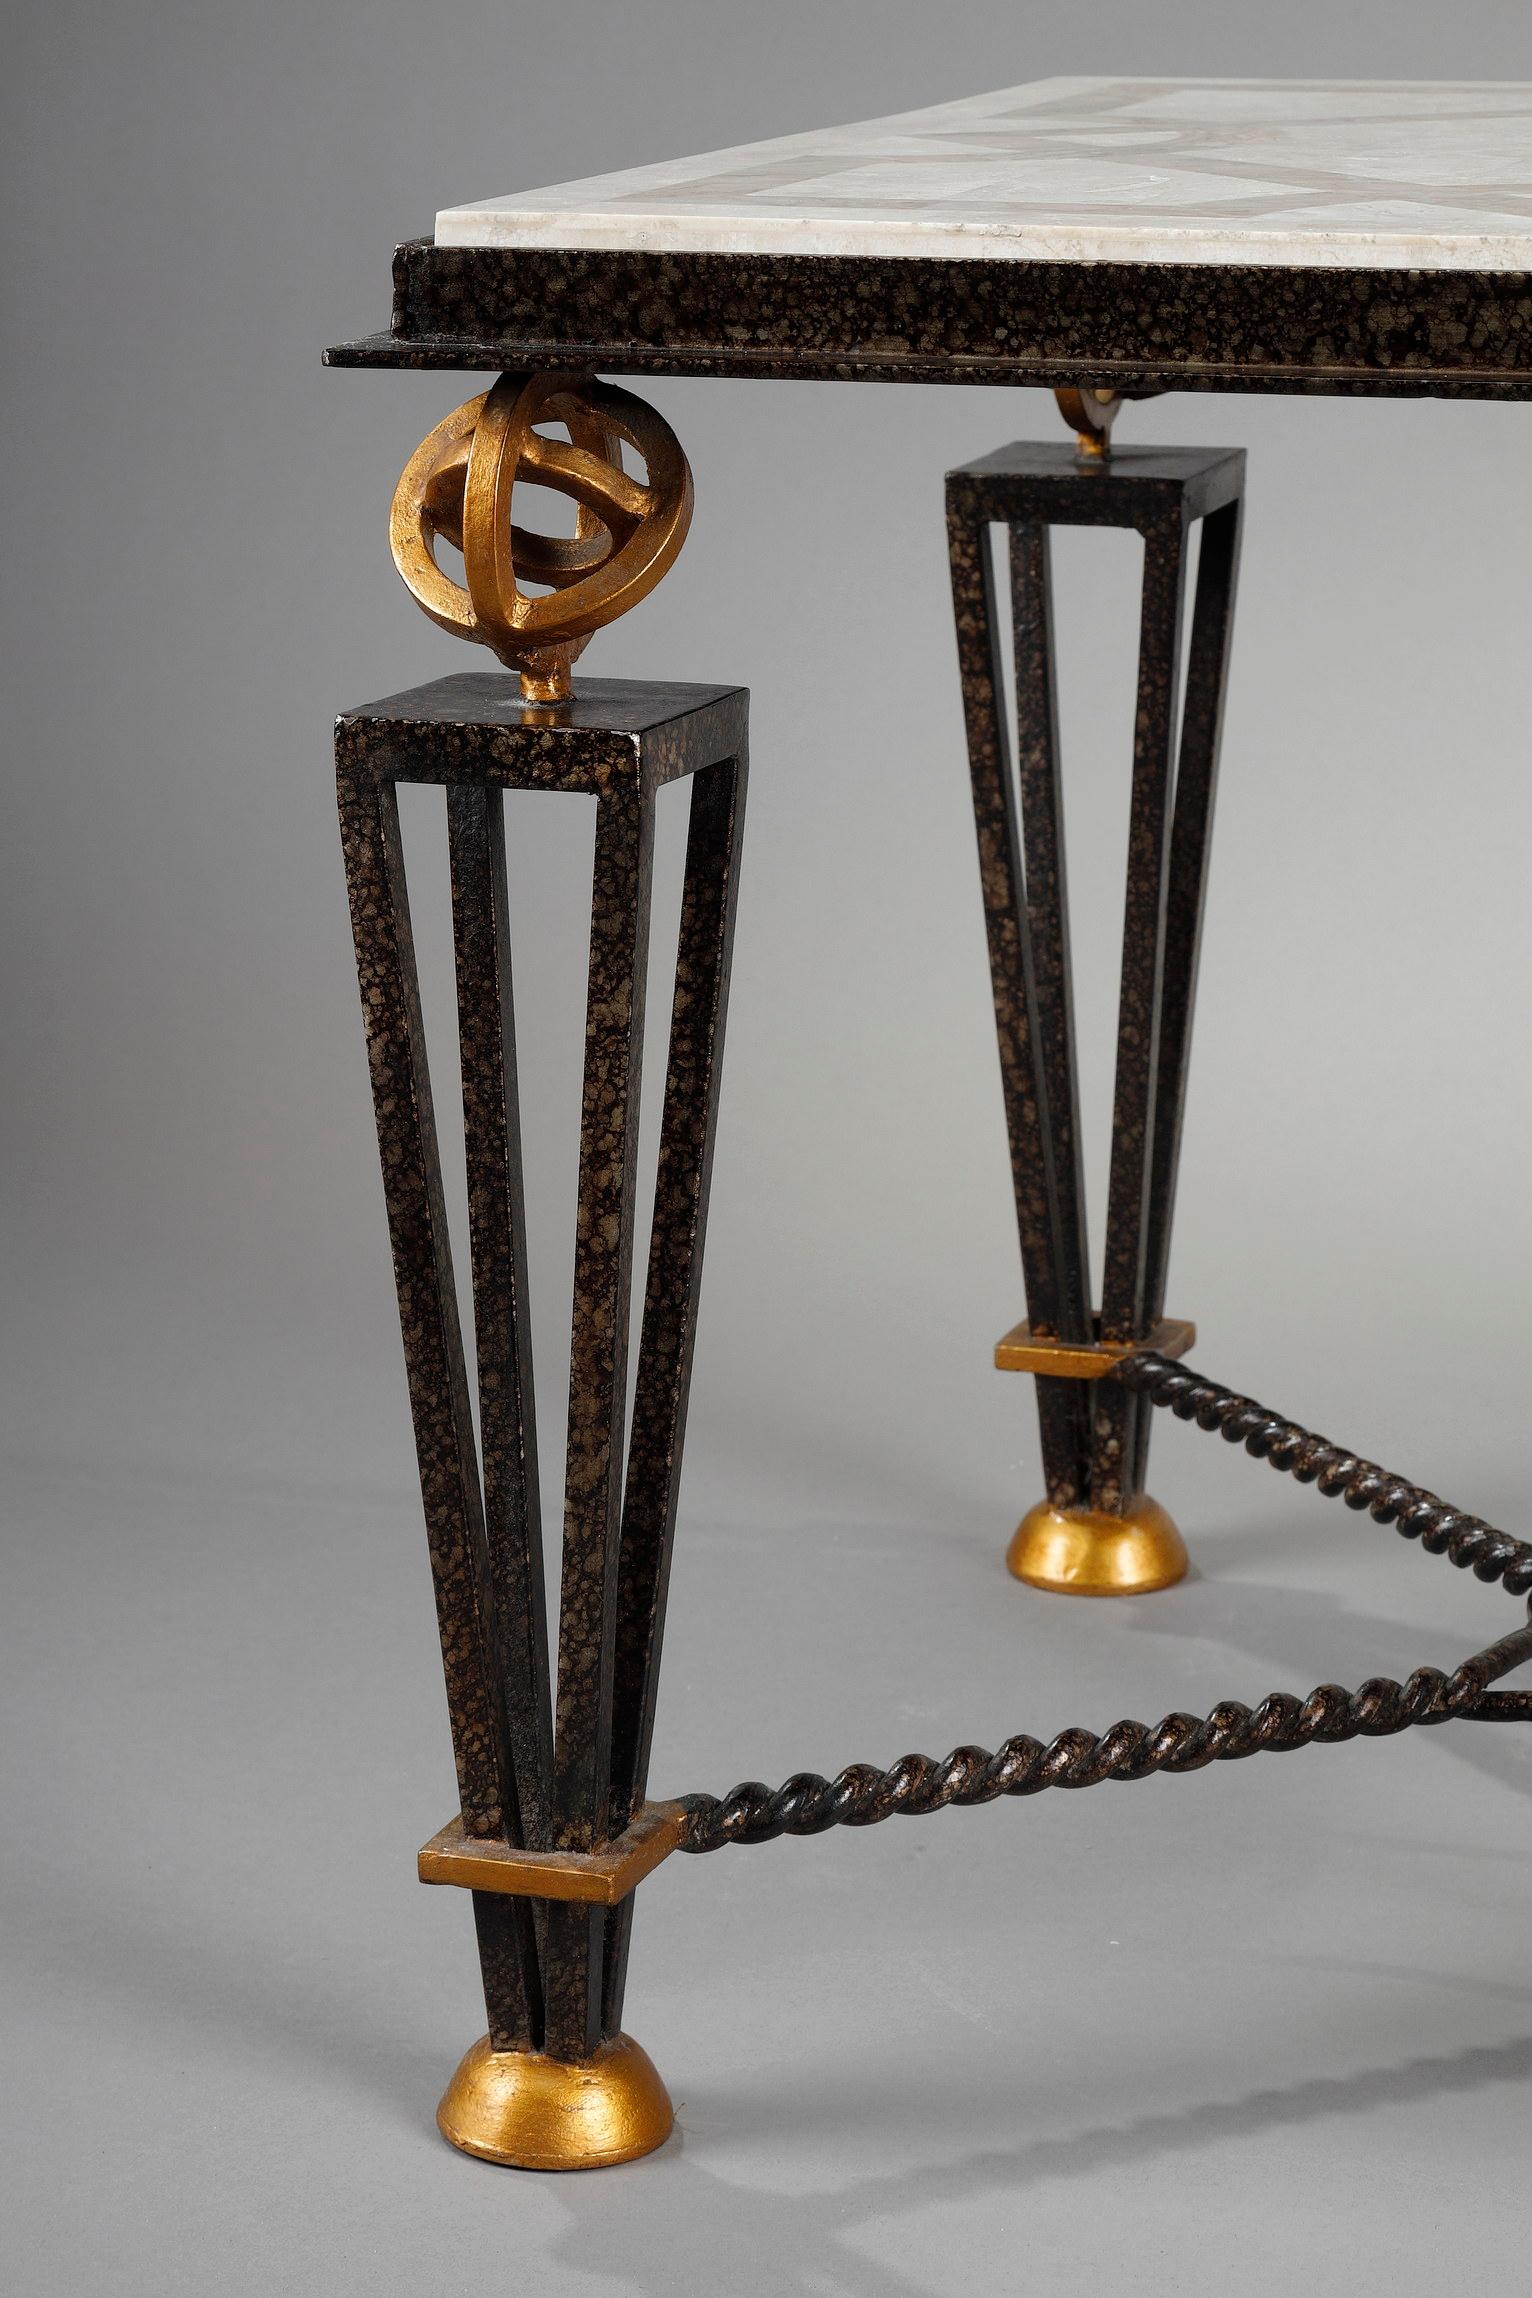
column 1269, row 2025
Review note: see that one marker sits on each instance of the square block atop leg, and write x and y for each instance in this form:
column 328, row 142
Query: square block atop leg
column 611, row 733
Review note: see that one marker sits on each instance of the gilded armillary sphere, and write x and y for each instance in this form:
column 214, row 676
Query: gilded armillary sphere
column 534, row 598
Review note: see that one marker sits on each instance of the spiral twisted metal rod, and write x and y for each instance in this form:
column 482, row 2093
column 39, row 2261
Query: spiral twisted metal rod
column 1466, row 1541
column 862, row 1795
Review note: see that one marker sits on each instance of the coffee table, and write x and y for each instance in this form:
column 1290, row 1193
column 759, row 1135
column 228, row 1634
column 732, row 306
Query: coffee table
column 1110, row 239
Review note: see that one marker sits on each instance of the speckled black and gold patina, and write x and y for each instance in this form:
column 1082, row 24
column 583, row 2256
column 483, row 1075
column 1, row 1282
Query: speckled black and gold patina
column 908, row 319
column 547, row 1775
column 1095, row 1434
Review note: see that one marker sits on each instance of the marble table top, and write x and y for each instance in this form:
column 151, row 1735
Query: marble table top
column 1387, row 174
column 1372, row 238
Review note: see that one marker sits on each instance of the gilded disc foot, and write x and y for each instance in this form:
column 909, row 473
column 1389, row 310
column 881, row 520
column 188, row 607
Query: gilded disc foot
column 538, row 2113
column 1080, row 1552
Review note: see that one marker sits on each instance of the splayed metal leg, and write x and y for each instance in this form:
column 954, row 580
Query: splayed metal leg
column 553, row 1830
column 1096, row 1532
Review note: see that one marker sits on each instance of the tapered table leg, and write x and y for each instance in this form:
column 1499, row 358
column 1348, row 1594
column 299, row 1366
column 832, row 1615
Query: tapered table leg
column 1096, row 1531
column 554, row 1770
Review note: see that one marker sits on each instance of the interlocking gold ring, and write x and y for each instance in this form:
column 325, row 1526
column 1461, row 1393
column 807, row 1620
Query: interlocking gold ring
column 459, row 484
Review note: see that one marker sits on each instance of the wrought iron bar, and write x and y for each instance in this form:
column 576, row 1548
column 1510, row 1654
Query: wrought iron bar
column 862, row 1795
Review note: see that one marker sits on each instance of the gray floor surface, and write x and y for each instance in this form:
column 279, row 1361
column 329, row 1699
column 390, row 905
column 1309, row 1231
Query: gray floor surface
column 1263, row 2028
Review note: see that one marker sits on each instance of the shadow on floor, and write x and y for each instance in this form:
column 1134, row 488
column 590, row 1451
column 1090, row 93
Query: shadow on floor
column 755, row 2241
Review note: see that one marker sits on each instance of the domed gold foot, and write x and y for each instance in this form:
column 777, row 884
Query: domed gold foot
column 1080, row 1552
column 544, row 2114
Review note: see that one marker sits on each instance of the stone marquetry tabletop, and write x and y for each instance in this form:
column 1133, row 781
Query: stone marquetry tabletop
column 1373, row 236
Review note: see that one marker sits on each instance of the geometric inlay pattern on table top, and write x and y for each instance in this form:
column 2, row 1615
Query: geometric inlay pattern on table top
column 1394, row 174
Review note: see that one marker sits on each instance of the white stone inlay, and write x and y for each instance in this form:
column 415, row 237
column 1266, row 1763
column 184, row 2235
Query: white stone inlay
column 1376, row 173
